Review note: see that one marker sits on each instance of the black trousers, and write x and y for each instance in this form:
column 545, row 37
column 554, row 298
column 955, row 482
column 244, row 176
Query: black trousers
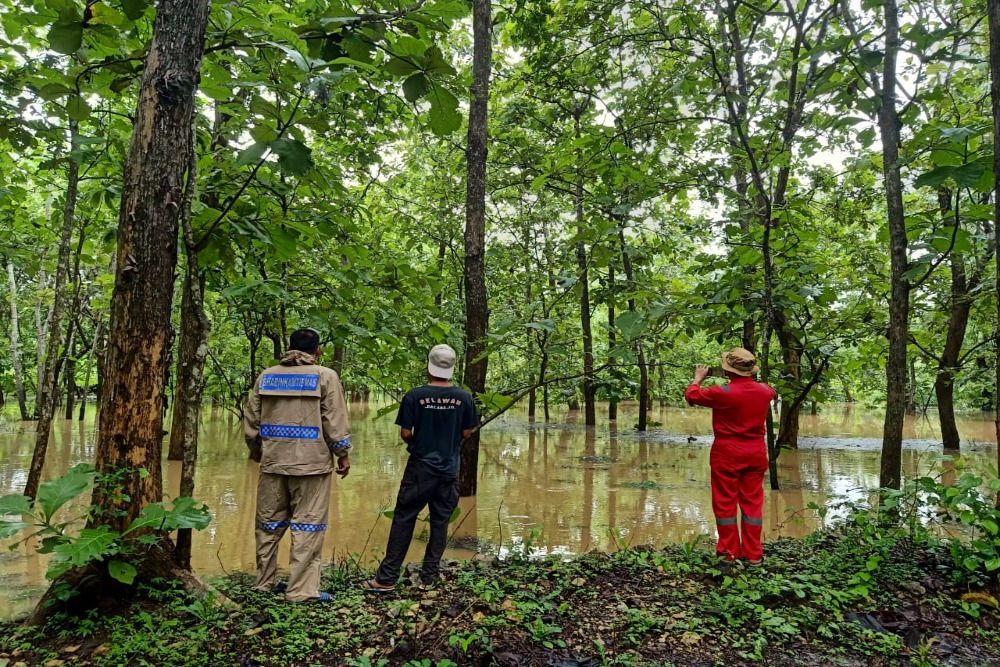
column 417, row 490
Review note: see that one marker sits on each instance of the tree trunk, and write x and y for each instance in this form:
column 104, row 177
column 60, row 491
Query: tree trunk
column 911, row 389
column 958, row 320
column 613, row 402
column 69, row 373
column 644, row 405
column 589, row 391
column 15, row 351
column 476, row 305
column 98, row 332
column 139, row 335
column 791, row 350
column 195, row 331
column 993, row 11
column 890, row 472
column 45, row 402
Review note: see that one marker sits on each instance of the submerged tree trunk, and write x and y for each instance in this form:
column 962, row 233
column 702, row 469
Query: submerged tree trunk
column 589, row 388
column 139, row 335
column 69, row 372
column 890, row 473
column 476, row 304
column 15, row 351
column 45, row 402
column 993, row 11
column 958, row 321
column 193, row 352
column 640, row 352
column 613, row 402
column 98, row 333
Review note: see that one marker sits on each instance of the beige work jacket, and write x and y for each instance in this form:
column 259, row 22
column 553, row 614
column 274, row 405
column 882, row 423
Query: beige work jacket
column 297, row 415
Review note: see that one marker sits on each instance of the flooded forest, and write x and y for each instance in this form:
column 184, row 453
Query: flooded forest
column 584, row 203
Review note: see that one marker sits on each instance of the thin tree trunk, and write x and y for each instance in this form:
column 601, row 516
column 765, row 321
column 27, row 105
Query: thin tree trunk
column 890, row 473
column 613, row 402
column 476, row 303
column 69, row 372
column 958, row 321
column 46, row 399
column 15, row 351
column 993, row 11
column 589, row 389
column 41, row 326
column 644, row 405
column 911, row 389
column 140, row 333
column 98, row 332
column 193, row 351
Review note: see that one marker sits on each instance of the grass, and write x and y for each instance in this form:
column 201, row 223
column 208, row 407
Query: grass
column 641, row 606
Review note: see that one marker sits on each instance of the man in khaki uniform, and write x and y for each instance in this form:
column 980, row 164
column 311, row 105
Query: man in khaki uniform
column 295, row 424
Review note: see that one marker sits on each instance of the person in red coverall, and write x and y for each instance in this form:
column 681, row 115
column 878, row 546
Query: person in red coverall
column 739, row 454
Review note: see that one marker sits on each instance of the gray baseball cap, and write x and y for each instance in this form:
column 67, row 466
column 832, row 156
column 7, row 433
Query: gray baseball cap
column 441, row 362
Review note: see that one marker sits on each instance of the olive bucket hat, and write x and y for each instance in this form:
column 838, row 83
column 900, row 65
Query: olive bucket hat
column 740, row 361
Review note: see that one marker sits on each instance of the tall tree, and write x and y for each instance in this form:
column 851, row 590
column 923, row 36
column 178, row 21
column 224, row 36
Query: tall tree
column 139, row 335
column 476, row 305
column 45, row 402
column 993, row 11
column 890, row 472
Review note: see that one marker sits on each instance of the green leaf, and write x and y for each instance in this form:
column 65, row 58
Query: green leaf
column 12, row 528
column 55, row 493
column 444, row 117
column 454, row 514
column 134, row 9
column 967, row 174
column 251, row 154
column 93, row 544
column 183, row 514
column 15, row 505
column 389, row 409
column 400, row 67
column 294, row 157
column 123, row 572
column 961, row 133
column 52, row 91
column 296, row 57
column 971, row 564
column 66, row 36
column 934, row 177
column 870, row 59
column 77, row 108
column 415, row 87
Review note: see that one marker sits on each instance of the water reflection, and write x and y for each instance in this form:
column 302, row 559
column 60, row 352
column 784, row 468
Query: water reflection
column 581, row 488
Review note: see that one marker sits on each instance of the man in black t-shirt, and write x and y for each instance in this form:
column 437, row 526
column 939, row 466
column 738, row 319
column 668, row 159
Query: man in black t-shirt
column 433, row 420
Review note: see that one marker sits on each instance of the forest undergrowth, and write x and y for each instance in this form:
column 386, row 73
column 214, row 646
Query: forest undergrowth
column 882, row 587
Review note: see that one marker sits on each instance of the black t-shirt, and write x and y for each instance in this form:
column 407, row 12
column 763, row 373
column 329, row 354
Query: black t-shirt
column 437, row 416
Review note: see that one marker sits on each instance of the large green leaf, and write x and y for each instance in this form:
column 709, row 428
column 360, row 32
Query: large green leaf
column 444, row 117
column 251, row 154
column 415, row 87
column 15, row 505
column 93, row 544
column 77, row 108
column 183, row 514
column 134, row 9
column 54, row 494
column 66, row 36
column 123, row 572
column 12, row 528
column 294, row 157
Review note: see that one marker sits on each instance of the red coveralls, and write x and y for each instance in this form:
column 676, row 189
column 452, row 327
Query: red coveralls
column 738, row 460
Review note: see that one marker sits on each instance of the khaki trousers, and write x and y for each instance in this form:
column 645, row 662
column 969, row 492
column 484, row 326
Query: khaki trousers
column 299, row 503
